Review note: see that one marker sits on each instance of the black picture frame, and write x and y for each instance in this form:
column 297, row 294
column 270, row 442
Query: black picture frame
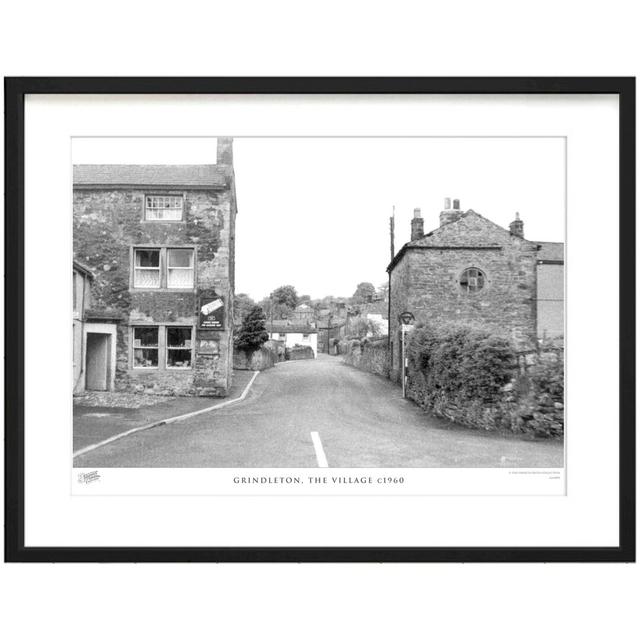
column 15, row 91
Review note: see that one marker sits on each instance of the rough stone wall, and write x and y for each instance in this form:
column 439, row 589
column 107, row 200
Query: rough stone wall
column 299, row 353
column 426, row 282
column 369, row 355
column 107, row 224
column 550, row 300
column 262, row 358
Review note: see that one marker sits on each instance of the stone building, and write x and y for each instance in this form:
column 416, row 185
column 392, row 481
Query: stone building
column 470, row 271
column 303, row 314
column 159, row 243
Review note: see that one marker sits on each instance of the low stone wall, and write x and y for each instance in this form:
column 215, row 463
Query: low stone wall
column 370, row 354
column 278, row 347
column 262, row 358
column 299, row 353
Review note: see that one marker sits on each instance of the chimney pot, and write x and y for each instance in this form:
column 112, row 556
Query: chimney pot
column 447, row 203
column 456, row 203
column 417, row 213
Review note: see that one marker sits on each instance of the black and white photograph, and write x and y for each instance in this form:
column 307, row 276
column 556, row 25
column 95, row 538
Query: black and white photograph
column 308, row 302
column 366, row 320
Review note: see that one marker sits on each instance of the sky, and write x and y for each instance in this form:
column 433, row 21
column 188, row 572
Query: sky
column 314, row 212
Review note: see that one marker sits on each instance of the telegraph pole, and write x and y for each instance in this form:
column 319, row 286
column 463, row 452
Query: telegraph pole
column 392, row 224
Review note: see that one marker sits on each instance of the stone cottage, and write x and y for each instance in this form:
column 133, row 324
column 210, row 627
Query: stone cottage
column 470, row 271
column 294, row 335
column 159, row 243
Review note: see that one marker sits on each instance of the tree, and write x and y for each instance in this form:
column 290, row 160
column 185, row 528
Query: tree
column 364, row 292
column 241, row 306
column 285, row 295
column 252, row 333
column 274, row 310
column 364, row 328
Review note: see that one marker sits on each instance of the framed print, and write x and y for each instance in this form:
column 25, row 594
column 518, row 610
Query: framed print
column 320, row 319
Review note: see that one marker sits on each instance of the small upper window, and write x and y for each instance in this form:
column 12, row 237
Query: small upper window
column 163, row 208
column 472, row 280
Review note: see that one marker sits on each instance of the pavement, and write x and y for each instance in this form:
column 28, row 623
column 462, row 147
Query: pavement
column 359, row 420
column 94, row 421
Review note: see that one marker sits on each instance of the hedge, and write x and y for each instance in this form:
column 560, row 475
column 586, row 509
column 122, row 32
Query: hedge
column 473, row 377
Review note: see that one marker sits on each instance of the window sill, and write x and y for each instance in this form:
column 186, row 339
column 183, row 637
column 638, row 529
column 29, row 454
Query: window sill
column 163, row 289
column 182, row 221
column 143, row 370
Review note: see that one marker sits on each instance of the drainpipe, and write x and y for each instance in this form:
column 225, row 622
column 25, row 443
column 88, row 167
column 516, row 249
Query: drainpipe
column 84, row 284
column 389, row 324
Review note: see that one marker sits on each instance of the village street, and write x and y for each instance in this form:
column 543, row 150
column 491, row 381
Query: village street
column 361, row 420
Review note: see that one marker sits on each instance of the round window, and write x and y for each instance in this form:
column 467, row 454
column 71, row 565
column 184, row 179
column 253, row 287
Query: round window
column 472, row 280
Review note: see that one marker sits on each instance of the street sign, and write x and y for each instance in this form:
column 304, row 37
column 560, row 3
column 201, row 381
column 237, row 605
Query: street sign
column 406, row 317
column 212, row 313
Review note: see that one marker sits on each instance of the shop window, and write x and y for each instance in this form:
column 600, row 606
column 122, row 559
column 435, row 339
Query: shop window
column 163, row 208
column 472, row 280
column 147, row 268
column 180, row 268
column 145, row 347
column 178, row 347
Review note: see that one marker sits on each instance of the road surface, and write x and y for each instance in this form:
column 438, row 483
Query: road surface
column 359, row 420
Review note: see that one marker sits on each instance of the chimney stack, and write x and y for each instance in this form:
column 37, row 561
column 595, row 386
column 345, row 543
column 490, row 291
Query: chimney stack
column 517, row 227
column 417, row 225
column 450, row 214
column 225, row 151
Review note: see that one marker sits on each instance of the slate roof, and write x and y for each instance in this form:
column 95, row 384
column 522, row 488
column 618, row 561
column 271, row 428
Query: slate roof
column 82, row 268
column 337, row 324
column 551, row 251
column 487, row 232
column 291, row 328
column 203, row 176
column 489, row 235
column 103, row 314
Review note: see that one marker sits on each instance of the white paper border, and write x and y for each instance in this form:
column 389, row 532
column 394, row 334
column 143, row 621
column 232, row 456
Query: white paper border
column 586, row 516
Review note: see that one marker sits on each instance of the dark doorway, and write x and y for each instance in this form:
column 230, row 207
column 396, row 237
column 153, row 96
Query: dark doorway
column 98, row 357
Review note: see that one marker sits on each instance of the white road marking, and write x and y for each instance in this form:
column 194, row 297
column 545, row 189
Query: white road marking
column 184, row 416
column 317, row 445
